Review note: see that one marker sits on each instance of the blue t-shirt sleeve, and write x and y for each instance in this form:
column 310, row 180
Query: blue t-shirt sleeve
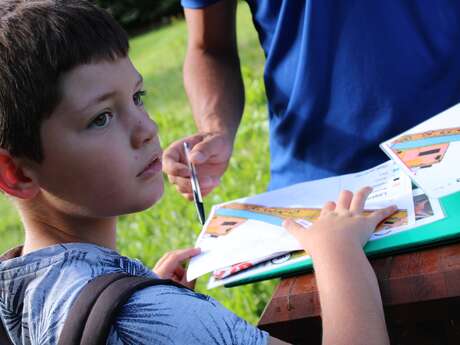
column 171, row 315
column 197, row 3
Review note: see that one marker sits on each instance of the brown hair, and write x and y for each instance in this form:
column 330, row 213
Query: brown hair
column 39, row 41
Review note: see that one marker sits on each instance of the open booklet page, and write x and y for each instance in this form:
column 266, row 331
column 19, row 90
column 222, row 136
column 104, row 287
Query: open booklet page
column 427, row 210
column 249, row 229
column 429, row 153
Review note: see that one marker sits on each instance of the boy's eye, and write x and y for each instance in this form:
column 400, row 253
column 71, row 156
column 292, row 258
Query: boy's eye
column 137, row 98
column 101, row 121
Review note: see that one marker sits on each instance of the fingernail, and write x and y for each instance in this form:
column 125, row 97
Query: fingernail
column 197, row 157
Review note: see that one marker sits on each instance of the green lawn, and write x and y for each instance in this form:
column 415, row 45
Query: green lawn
column 172, row 223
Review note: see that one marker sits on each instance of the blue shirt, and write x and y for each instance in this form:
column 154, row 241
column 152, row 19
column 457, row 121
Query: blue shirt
column 343, row 76
column 38, row 289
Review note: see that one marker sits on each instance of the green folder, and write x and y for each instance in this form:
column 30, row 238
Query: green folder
column 432, row 234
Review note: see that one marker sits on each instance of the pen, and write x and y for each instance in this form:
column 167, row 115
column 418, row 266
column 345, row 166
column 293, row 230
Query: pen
column 195, row 186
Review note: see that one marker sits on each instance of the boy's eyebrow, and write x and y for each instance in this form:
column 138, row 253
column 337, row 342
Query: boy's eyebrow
column 108, row 95
column 97, row 100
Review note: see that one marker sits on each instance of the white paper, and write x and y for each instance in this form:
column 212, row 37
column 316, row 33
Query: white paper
column 429, row 153
column 269, row 265
column 427, row 210
column 250, row 239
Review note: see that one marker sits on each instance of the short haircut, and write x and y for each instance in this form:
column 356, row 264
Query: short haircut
column 40, row 40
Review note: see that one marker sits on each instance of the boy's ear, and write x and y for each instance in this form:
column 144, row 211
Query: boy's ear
column 14, row 179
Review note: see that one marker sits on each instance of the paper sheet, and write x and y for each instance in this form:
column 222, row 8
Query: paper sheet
column 427, row 210
column 429, row 153
column 250, row 228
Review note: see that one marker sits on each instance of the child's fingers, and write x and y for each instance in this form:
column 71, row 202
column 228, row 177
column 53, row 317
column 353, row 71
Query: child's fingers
column 170, row 261
column 179, row 272
column 359, row 199
column 190, row 284
column 344, row 200
column 328, row 207
column 293, row 228
column 379, row 215
column 180, row 255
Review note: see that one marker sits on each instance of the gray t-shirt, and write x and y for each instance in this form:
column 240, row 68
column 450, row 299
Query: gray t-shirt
column 38, row 289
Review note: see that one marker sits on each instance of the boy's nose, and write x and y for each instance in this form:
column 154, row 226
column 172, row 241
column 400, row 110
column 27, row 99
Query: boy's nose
column 145, row 130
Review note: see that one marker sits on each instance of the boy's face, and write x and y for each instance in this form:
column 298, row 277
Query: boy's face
column 102, row 155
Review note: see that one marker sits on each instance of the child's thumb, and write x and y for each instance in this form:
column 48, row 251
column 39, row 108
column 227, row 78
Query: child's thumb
column 293, row 228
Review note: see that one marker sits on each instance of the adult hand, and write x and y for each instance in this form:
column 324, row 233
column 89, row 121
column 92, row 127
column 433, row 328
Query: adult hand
column 210, row 152
column 340, row 224
column 171, row 266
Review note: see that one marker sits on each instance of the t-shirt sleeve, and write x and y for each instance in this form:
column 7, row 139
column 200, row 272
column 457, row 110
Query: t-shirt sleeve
column 194, row 4
column 172, row 315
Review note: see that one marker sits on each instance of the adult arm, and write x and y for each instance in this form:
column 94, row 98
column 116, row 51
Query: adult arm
column 212, row 76
column 214, row 87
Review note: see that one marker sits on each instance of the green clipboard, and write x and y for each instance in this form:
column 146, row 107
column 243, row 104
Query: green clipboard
column 441, row 231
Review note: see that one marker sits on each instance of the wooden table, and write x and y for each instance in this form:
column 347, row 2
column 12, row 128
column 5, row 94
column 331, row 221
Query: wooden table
column 420, row 292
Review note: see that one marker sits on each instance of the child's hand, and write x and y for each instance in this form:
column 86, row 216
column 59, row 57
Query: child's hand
column 340, row 225
column 170, row 266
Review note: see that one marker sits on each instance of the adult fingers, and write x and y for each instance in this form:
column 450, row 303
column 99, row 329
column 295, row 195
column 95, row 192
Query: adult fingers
column 328, row 207
column 377, row 216
column 184, row 186
column 344, row 200
column 214, row 148
column 174, row 160
column 174, row 163
column 359, row 199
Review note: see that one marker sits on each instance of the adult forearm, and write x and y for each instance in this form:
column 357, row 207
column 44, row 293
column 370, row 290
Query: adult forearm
column 350, row 299
column 215, row 90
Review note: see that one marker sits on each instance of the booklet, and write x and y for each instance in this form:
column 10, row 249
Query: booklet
column 243, row 240
column 427, row 210
column 429, row 153
column 249, row 229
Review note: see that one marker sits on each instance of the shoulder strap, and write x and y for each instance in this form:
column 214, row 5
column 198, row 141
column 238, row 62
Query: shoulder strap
column 4, row 338
column 94, row 311
column 12, row 253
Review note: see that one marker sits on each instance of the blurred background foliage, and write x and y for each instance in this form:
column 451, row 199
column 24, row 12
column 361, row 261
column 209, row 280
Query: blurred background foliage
column 158, row 54
column 136, row 15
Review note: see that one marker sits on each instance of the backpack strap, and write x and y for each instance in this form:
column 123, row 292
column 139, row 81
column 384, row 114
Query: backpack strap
column 4, row 338
column 10, row 254
column 95, row 309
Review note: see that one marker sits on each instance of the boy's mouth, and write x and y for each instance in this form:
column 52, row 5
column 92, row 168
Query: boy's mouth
column 153, row 167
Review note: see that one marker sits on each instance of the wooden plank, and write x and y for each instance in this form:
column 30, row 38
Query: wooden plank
column 427, row 275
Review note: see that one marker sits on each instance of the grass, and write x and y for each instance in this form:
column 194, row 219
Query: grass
column 172, row 223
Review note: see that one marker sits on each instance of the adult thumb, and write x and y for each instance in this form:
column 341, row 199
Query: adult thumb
column 212, row 147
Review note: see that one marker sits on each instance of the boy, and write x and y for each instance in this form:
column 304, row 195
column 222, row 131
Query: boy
column 78, row 149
